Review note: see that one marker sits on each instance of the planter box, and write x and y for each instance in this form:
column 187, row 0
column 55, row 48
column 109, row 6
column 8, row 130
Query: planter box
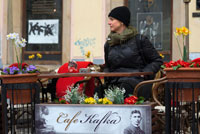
column 18, row 89
column 21, row 96
column 184, row 75
column 19, row 78
column 86, row 118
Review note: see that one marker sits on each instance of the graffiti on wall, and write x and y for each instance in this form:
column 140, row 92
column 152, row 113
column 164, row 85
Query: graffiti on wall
column 43, row 31
column 85, row 43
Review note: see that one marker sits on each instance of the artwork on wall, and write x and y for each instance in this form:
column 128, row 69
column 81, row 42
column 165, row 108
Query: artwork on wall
column 150, row 25
column 43, row 31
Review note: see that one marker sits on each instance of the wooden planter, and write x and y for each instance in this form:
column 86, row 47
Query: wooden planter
column 19, row 78
column 18, row 89
column 184, row 75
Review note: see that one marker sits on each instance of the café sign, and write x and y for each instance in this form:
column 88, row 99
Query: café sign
column 89, row 119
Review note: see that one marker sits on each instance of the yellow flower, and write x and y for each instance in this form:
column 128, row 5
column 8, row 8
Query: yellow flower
column 185, row 31
column 107, row 101
column 88, row 54
column 31, row 56
column 39, row 55
column 178, row 31
column 161, row 55
column 100, row 100
column 90, row 100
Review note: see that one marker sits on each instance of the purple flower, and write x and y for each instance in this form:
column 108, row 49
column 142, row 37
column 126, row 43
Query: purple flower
column 31, row 68
column 5, row 70
column 10, row 70
column 24, row 71
column 13, row 70
column 16, row 70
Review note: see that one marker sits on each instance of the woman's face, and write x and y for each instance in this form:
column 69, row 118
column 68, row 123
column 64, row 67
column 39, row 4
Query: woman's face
column 115, row 25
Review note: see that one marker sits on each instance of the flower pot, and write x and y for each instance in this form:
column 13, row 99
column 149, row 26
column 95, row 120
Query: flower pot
column 20, row 96
column 18, row 89
column 19, row 78
column 184, row 75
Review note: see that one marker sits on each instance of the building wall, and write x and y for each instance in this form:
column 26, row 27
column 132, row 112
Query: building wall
column 85, row 20
column 178, row 21
column 66, row 31
column 194, row 23
column 87, row 29
column 3, row 29
column 10, row 22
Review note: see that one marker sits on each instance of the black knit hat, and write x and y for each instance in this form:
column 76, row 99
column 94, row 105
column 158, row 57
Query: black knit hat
column 121, row 13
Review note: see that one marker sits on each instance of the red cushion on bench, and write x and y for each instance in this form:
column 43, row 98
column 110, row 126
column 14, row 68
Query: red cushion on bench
column 64, row 83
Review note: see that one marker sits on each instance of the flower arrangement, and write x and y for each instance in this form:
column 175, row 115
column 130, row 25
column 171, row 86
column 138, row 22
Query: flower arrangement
column 183, row 31
column 104, row 101
column 19, row 67
column 113, row 95
column 18, row 43
column 74, row 96
column 38, row 55
column 14, row 69
column 134, row 100
column 180, row 63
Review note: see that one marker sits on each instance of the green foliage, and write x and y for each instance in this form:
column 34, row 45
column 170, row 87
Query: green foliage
column 74, row 96
column 184, row 53
column 176, row 67
column 115, row 94
column 140, row 100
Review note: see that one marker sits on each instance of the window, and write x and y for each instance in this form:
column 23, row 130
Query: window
column 152, row 18
column 198, row 4
column 43, row 28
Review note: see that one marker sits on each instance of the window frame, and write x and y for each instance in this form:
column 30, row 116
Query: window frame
column 24, row 52
column 164, row 52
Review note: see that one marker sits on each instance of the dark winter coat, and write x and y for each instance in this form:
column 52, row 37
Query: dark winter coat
column 125, row 57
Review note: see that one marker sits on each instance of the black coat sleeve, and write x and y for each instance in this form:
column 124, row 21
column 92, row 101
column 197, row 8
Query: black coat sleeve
column 106, row 66
column 152, row 57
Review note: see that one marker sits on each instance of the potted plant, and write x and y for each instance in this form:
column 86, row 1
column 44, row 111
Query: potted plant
column 113, row 95
column 18, row 73
column 182, row 72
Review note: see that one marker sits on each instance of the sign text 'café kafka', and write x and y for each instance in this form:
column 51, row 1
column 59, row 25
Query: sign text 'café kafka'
column 91, row 119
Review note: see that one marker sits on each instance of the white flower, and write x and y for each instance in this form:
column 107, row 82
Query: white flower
column 23, row 40
column 12, row 36
column 18, row 42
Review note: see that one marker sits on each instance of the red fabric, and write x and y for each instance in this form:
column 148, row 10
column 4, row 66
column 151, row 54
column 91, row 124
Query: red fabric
column 64, row 83
column 196, row 60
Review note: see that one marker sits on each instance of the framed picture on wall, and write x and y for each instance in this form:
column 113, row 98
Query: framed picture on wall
column 198, row 4
column 44, row 31
column 150, row 25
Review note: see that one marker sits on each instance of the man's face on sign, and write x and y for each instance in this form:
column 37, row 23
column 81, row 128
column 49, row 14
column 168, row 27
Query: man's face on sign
column 136, row 119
